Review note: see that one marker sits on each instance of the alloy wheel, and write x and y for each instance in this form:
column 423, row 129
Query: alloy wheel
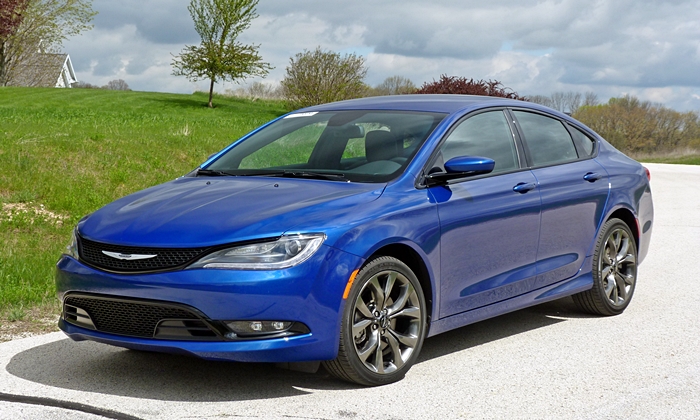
column 618, row 267
column 386, row 322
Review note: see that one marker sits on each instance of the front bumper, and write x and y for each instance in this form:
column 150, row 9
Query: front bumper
column 310, row 293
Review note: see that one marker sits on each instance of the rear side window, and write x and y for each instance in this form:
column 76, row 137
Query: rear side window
column 547, row 139
column 584, row 144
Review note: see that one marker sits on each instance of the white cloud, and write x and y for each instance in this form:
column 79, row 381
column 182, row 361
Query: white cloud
column 532, row 46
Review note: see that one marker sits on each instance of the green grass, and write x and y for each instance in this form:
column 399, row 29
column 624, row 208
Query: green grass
column 66, row 152
column 679, row 160
column 678, row 156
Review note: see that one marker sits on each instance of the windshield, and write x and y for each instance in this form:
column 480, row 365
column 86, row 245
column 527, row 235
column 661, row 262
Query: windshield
column 361, row 146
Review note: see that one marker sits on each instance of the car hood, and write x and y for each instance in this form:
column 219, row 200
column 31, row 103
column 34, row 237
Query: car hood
column 194, row 212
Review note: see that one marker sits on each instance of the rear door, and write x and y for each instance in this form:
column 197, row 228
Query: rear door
column 574, row 189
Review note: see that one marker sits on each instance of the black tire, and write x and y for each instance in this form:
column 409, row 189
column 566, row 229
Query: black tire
column 388, row 332
column 614, row 271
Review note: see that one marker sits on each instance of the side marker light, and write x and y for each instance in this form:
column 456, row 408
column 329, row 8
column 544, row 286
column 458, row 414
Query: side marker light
column 349, row 285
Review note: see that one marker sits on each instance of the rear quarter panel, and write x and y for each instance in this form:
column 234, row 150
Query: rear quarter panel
column 629, row 189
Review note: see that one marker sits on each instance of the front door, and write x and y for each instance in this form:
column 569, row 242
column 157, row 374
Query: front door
column 489, row 230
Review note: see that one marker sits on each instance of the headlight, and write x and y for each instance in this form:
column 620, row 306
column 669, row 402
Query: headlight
column 72, row 247
column 285, row 252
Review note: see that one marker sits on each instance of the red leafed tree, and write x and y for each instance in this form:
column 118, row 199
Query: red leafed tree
column 463, row 86
column 29, row 28
column 10, row 16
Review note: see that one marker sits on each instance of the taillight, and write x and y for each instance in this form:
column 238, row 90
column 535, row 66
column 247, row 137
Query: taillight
column 648, row 173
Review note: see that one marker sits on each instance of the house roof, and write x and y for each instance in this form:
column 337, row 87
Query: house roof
column 44, row 70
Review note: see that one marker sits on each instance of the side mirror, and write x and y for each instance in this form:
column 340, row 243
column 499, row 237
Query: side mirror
column 462, row 167
column 469, row 164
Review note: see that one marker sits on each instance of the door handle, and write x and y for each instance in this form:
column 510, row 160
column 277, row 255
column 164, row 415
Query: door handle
column 592, row 177
column 524, row 187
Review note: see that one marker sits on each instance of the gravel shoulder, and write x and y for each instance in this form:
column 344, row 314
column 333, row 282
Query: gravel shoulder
column 37, row 320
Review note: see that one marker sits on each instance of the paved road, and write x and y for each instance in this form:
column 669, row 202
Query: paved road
column 544, row 362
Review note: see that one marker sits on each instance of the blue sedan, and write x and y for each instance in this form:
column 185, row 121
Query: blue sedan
column 349, row 232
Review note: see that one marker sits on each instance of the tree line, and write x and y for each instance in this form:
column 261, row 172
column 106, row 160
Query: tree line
column 642, row 127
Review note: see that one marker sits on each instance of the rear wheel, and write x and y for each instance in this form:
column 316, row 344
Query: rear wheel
column 383, row 324
column 614, row 271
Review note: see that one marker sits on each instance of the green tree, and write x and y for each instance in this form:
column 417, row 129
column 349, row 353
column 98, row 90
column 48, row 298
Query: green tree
column 31, row 26
column 318, row 77
column 641, row 127
column 220, row 56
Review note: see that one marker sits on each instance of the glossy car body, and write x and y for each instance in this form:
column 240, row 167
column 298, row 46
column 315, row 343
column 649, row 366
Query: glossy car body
column 480, row 244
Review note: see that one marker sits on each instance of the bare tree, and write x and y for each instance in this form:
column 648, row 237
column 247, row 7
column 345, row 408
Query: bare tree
column 558, row 101
column 567, row 102
column 590, row 99
column 395, row 85
column 541, row 99
column 117, row 84
column 572, row 102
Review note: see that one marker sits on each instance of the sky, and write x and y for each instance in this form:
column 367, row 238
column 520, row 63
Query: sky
column 646, row 48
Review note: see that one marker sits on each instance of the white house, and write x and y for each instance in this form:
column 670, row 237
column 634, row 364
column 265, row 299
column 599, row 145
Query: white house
column 45, row 70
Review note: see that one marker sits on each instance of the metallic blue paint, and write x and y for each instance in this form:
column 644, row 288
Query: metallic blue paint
column 469, row 164
column 488, row 249
column 310, row 293
column 571, row 213
column 492, row 235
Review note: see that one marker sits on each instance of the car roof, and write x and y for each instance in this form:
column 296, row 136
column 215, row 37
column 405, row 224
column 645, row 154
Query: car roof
column 425, row 103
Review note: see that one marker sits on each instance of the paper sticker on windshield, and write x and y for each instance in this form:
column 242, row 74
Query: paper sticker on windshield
column 301, row 114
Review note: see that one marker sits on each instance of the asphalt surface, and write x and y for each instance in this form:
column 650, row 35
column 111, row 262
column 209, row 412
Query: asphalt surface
column 548, row 361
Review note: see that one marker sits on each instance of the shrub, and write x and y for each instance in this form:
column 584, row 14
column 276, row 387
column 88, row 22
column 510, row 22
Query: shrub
column 84, row 85
column 464, row 86
column 317, row 77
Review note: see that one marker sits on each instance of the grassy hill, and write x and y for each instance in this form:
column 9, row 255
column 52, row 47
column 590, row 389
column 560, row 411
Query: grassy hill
column 66, row 152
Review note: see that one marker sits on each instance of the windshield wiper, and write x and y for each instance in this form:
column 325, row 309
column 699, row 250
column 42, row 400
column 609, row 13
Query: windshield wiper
column 211, row 172
column 301, row 174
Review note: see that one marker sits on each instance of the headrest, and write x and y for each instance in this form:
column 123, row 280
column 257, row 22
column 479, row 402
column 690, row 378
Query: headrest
column 380, row 145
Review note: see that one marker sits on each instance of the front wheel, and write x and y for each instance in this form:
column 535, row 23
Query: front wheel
column 614, row 271
column 383, row 324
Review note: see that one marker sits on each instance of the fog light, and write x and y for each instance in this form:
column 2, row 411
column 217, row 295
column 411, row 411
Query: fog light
column 247, row 328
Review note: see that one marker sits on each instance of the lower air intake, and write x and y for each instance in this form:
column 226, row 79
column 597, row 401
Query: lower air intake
column 135, row 318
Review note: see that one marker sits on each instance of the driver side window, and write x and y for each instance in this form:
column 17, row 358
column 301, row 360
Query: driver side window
column 485, row 135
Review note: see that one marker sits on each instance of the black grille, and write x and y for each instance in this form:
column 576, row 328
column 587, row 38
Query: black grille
column 137, row 318
column 165, row 259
